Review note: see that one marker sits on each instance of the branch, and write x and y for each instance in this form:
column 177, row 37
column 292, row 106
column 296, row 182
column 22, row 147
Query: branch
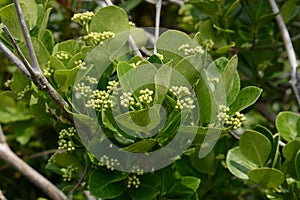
column 289, row 48
column 33, row 72
column 18, row 50
column 157, row 21
column 14, row 59
column 8, row 156
column 266, row 112
column 33, row 58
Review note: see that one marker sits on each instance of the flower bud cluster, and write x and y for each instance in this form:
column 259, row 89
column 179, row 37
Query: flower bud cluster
column 70, row 132
column 133, row 181
column 234, row 121
column 84, row 90
column 82, row 18
column 99, row 101
column 136, row 169
column 109, row 163
column 68, row 172
column 80, row 64
column 214, row 80
column 190, row 51
column 184, row 99
column 146, row 96
column 21, row 94
column 208, row 44
column 97, row 38
column 8, row 83
column 111, row 86
column 62, row 56
column 64, row 139
column 134, row 65
column 131, row 24
column 126, row 99
column 91, row 80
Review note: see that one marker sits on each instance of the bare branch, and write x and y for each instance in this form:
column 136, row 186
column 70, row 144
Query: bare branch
column 14, row 59
column 178, row 2
column 133, row 46
column 289, row 48
column 33, row 58
column 157, row 22
column 109, row 3
column 2, row 136
column 18, row 50
column 266, row 112
column 32, row 175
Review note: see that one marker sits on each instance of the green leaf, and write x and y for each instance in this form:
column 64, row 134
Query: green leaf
column 69, row 46
column 297, row 164
column 246, row 98
column 141, row 121
column 190, row 182
column 65, row 159
column 40, row 51
column 110, row 18
column 65, row 78
column 205, row 165
column 71, row 64
column 286, row 124
column 171, row 52
column 139, row 37
column 104, row 184
column 232, row 9
column 206, row 102
column 238, row 164
column 20, row 81
column 141, row 146
column 12, row 111
column 46, row 37
column 9, row 17
column 255, row 146
column 290, row 150
column 266, row 177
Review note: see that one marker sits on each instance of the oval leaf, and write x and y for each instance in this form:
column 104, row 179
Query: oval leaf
column 266, row 177
column 256, row 147
column 238, row 164
column 286, row 124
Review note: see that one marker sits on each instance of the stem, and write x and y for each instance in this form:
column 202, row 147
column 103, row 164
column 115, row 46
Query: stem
column 289, row 48
column 33, row 58
column 14, row 59
column 8, row 156
column 2, row 197
column 79, row 182
column 157, row 21
column 18, row 50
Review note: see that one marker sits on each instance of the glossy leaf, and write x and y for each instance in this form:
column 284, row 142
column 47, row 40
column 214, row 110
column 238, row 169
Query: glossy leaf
column 141, row 146
column 116, row 20
column 246, row 98
column 290, row 150
column 286, row 124
column 105, row 184
column 191, row 182
column 256, row 147
column 238, row 164
column 266, row 177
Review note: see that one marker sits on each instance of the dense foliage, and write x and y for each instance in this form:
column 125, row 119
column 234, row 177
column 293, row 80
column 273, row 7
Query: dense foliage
column 217, row 90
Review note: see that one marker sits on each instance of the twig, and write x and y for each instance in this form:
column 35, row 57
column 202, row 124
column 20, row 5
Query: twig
column 178, row 2
column 18, row 50
column 109, row 3
column 8, row 156
column 157, row 21
column 289, row 48
column 44, row 153
column 88, row 196
column 79, row 182
column 33, row 58
column 234, row 134
column 266, row 112
column 14, row 59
